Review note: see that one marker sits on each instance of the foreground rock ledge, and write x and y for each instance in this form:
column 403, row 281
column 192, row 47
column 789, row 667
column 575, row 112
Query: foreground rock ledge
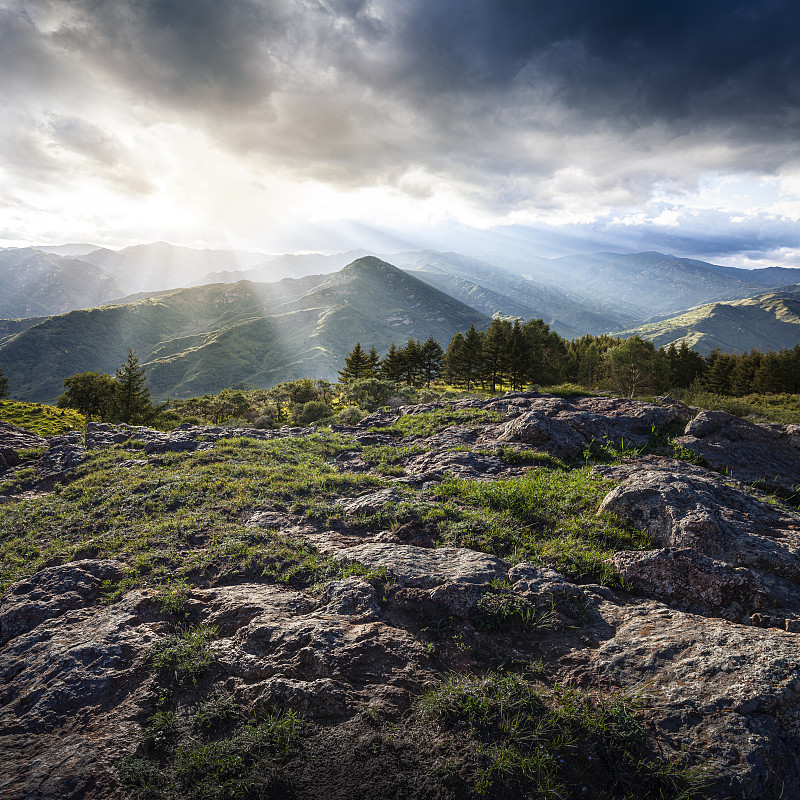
column 706, row 637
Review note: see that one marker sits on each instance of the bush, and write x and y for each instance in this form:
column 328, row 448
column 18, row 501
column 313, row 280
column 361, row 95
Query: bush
column 310, row 412
column 351, row 415
column 367, row 393
column 264, row 421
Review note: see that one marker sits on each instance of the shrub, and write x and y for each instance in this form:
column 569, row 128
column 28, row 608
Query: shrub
column 351, row 415
column 309, row 412
column 368, row 393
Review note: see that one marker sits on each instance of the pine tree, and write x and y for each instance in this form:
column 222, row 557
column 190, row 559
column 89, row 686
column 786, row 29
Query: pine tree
column 412, row 362
column 473, row 356
column 454, row 361
column 518, row 357
column 373, row 363
column 132, row 397
column 392, row 366
column 431, row 357
column 356, row 365
column 3, row 385
column 495, row 352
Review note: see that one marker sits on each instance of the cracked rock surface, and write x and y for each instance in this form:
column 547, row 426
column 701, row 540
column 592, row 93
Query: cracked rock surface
column 705, row 633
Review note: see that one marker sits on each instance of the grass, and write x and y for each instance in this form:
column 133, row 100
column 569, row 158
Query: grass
column 527, row 739
column 185, row 655
column 181, row 517
column 428, row 423
column 783, row 409
column 180, row 520
column 39, row 418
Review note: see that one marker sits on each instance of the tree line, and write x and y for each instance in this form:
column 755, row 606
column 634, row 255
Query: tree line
column 513, row 354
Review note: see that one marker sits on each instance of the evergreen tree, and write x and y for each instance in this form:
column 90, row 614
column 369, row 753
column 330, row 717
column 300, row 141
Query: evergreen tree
column 495, row 352
column 718, row 372
column 357, row 364
column 547, row 353
column 132, row 397
column 431, row 357
column 453, row 366
column 412, row 362
column 392, row 366
column 472, row 356
column 373, row 362
column 686, row 365
column 3, row 385
column 518, row 357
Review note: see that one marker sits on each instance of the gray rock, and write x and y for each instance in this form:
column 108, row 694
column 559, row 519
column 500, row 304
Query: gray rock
column 369, row 503
column 52, row 592
column 543, row 586
column 745, row 450
column 687, row 506
column 351, row 597
column 64, row 455
column 459, row 464
column 15, row 438
column 566, row 427
column 691, row 580
column 726, row 694
column 426, row 568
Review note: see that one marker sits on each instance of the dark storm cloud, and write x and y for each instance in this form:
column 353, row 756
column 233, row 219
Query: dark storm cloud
column 723, row 62
column 687, row 59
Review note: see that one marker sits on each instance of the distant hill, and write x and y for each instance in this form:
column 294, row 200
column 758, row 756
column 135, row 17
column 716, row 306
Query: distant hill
column 767, row 321
column 652, row 283
column 207, row 338
column 295, row 265
column 157, row 266
column 494, row 290
column 34, row 283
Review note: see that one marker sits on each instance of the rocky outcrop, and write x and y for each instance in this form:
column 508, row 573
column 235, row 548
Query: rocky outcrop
column 705, row 630
column 745, row 450
column 184, row 438
column 14, row 439
column 567, row 427
column 425, row 568
column 708, row 686
column 731, row 553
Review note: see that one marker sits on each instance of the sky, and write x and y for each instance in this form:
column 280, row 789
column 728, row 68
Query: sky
column 483, row 126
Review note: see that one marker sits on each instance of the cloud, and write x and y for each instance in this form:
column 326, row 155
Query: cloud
column 512, row 111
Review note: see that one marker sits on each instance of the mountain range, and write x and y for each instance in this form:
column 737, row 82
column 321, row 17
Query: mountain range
column 205, row 338
column 204, row 319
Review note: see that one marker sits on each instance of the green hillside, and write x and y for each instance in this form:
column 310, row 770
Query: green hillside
column 207, row 338
column 767, row 321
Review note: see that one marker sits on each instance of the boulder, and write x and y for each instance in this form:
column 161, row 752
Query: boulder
column 566, row 427
column 745, row 450
column 688, row 579
column 688, row 507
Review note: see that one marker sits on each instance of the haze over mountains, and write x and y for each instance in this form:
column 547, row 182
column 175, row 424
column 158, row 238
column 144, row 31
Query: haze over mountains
column 202, row 320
